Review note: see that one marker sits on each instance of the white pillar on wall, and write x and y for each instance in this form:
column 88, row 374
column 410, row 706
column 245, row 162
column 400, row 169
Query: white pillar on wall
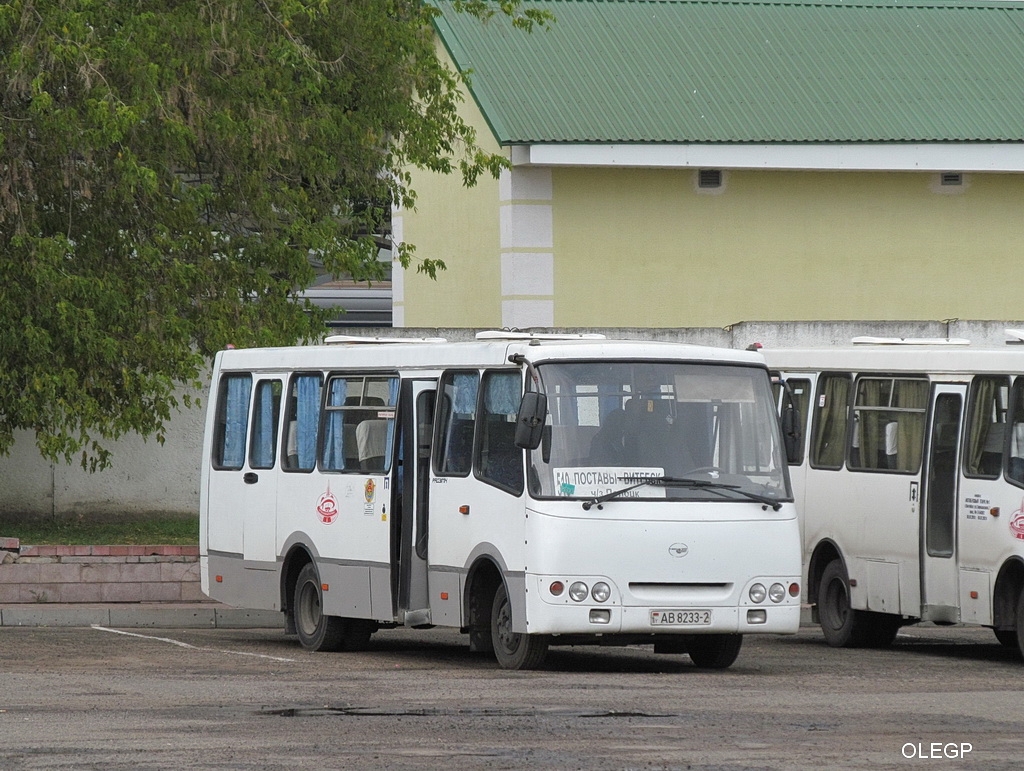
column 397, row 271
column 527, row 248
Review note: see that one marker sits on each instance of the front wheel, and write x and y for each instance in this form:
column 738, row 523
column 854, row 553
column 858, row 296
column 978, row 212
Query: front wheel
column 714, row 651
column 318, row 632
column 512, row 649
column 841, row 624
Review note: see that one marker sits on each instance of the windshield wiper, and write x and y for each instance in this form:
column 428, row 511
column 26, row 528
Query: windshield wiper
column 708, row 484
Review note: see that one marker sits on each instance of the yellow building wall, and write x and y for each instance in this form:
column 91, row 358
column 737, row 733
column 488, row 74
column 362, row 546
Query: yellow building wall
column 646, row 248
column 460, row 226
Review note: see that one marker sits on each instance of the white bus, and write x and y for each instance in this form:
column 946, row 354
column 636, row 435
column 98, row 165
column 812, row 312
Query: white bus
column 909, row 480
column 529, row 490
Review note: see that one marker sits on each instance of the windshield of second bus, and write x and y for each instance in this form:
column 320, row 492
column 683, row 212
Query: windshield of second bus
column 613, row 425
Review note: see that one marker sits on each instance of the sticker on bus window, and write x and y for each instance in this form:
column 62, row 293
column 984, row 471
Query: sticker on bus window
column 595, row 481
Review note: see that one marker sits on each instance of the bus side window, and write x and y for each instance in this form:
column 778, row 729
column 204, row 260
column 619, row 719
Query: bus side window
column 266, row 411
column 303, row 422
column 831, row 414
column 455, row 423
column 232, row 420
column 499, row 461
column 888, row 424
column 986, row 430
column 795, row 393
column 1015, row 469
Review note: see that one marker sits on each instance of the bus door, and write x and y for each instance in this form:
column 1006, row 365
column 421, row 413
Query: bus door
column 258, row 497
column 939, row 572
column 410, row 526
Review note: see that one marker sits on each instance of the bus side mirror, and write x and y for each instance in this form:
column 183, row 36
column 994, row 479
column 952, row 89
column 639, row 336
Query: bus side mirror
column 791, row 436
column 533, row 411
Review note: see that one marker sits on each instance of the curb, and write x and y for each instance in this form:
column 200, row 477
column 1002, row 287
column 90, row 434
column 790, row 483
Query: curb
column 140, row 616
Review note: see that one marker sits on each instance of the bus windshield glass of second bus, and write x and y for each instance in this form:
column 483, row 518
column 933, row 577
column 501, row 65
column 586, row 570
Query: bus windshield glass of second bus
column 697, row 431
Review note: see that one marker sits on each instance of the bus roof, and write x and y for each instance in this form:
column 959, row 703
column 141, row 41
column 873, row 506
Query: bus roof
column 482, row 352
column 904, row 358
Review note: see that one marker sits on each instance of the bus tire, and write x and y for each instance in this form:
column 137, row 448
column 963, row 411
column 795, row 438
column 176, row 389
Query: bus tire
column 512, row 649
column 842, row 626
column 316, row 631
column 714, row 651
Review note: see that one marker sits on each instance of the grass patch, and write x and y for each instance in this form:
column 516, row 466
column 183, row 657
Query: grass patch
column 164, row 531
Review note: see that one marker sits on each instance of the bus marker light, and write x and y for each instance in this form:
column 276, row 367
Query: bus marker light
column 444, row 595
column 219, row 579
column 974, row 595
column 325, row 587
column 758, row 616
column 556, row 588
column 994, row 511
column 853, row 582
column 463, row 509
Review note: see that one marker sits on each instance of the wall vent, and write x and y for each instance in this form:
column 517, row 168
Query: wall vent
column 952, row 178
column 709, row 178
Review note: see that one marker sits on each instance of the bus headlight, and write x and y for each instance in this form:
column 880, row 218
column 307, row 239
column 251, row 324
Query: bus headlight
column 601, row 592
column 757, row 593
column 777, row 593
column 578, row 591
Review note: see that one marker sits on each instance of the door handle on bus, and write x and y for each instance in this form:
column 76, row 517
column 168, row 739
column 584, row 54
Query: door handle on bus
column 251, row 478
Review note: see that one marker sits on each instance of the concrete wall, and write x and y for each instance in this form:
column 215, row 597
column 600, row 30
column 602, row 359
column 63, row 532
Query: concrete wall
column 147, row 477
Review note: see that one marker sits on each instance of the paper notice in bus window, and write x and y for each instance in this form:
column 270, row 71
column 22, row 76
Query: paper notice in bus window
column 595, row 481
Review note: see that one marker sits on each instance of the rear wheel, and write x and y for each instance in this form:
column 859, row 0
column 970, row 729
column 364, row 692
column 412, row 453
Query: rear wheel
column 714, row 651
column 513, row 650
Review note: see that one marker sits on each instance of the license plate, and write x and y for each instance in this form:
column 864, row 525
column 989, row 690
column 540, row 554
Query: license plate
column 680, row 617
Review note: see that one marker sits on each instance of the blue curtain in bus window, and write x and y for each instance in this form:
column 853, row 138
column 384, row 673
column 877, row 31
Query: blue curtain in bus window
column 334, row 431
column 503, row 394
column 263, row 420
column 464, row 386
column 236, row 415
column 392, row 404
column 308, row 419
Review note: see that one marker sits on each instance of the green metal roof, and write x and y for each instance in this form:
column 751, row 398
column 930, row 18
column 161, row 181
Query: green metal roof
column 646, row 71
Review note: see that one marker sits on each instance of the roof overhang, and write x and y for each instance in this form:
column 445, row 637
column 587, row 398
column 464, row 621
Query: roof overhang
column 902, row 156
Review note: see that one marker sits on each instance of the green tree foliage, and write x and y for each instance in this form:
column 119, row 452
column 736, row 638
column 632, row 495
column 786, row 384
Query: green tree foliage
column 168, row 168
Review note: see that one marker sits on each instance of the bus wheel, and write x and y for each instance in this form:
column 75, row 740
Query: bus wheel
column 316, row 631
column 839, row 622
column 512, row 649
column 714, row 651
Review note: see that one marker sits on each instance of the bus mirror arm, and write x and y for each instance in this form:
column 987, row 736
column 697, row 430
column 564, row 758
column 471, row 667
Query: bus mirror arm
column 533, row 411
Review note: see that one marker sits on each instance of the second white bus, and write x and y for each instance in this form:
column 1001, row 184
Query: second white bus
column 909, row 479
column 529, row 491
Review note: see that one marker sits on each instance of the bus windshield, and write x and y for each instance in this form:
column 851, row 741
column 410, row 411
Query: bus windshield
column 611, row 425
